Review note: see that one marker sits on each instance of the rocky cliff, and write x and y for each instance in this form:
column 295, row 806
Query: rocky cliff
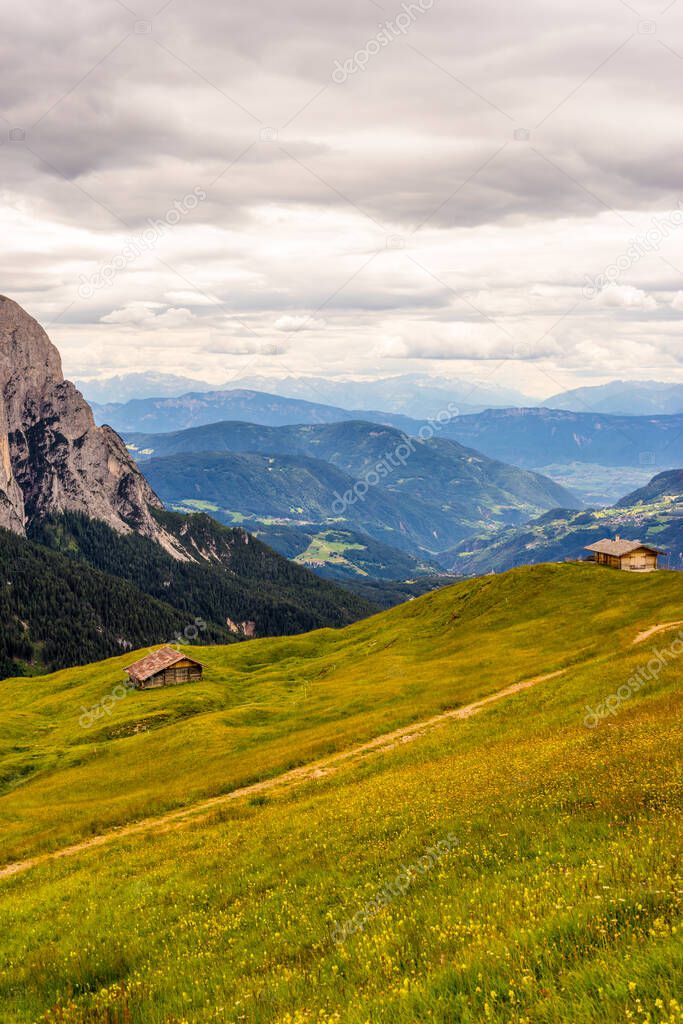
column 53, row 458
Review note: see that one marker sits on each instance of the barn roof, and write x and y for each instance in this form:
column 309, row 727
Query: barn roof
column 155, row 662
column 619, row 548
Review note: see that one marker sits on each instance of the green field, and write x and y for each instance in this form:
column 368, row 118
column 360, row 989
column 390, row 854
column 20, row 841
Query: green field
column 556, row 892
column 325, row 550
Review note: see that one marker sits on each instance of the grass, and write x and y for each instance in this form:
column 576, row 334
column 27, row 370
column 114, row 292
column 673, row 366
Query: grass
column 560, row 899
column 331, row 552
column 195, row 505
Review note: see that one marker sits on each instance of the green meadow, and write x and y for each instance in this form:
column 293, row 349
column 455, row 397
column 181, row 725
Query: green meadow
column 556, row 895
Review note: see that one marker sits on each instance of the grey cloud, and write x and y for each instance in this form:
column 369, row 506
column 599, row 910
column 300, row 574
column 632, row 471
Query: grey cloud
column 128, row 121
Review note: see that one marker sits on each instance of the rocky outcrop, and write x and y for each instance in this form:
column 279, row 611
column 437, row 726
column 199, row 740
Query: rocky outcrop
column 53, row 458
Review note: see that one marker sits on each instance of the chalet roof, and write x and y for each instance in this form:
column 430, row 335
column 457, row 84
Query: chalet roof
column 155, row 662
column 619, row 548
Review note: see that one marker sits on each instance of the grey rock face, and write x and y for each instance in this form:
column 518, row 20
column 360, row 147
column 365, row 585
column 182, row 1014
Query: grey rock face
column 53, row 458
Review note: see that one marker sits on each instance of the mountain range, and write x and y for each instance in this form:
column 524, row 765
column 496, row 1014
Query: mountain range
column 416, row 495
column 417, row 395
column 574, row 449
column 543, row 437
column 596, row 456
column 126, row 386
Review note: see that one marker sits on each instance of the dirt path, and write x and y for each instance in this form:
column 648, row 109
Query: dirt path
column 297, row 776
column 653, row 630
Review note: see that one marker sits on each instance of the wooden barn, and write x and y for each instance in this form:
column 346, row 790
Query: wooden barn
column 628, row 555
column 165, row 667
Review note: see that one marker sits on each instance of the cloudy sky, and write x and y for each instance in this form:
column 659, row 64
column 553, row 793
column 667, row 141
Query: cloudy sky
column 485, row 190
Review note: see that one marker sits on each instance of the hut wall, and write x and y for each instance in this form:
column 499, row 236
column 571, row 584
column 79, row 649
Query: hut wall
column 182, row 672
column 640, row 561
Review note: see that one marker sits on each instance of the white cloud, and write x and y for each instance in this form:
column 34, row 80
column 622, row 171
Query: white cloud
column 142, row 314
column 135, row 313
column 299, row 323
column 483, row 341
column 622, row 296
column 189, row 298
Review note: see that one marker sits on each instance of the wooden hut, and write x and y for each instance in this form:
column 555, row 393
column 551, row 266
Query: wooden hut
column 628, row 555
column 165, row 667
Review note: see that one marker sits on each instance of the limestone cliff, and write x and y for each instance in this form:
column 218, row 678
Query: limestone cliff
column 53, row 458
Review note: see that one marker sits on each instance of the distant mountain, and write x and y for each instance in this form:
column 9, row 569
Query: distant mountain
column 417, row 395
column 623, row 397
column 127, row 386
column 342, row 553
column 415, row 495
column 530, row 438
column 568, row 447
column 661, row 488
column 255, row 488
column 357, row 447
column 539, row 437
column 653, row 514
column 159, row 415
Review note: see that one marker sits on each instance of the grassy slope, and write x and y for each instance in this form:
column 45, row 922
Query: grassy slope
column 266, row 706
column 561, row 891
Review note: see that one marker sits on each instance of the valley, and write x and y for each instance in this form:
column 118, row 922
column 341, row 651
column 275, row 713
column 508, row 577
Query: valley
column 411, row 494
column 653, row 514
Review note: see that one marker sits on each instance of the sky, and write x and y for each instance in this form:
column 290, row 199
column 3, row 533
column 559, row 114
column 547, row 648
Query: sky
column 353, row 189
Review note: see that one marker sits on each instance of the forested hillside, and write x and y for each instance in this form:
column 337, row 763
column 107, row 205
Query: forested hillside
column 233, row 575
column 78, row 591
column 56, row 611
